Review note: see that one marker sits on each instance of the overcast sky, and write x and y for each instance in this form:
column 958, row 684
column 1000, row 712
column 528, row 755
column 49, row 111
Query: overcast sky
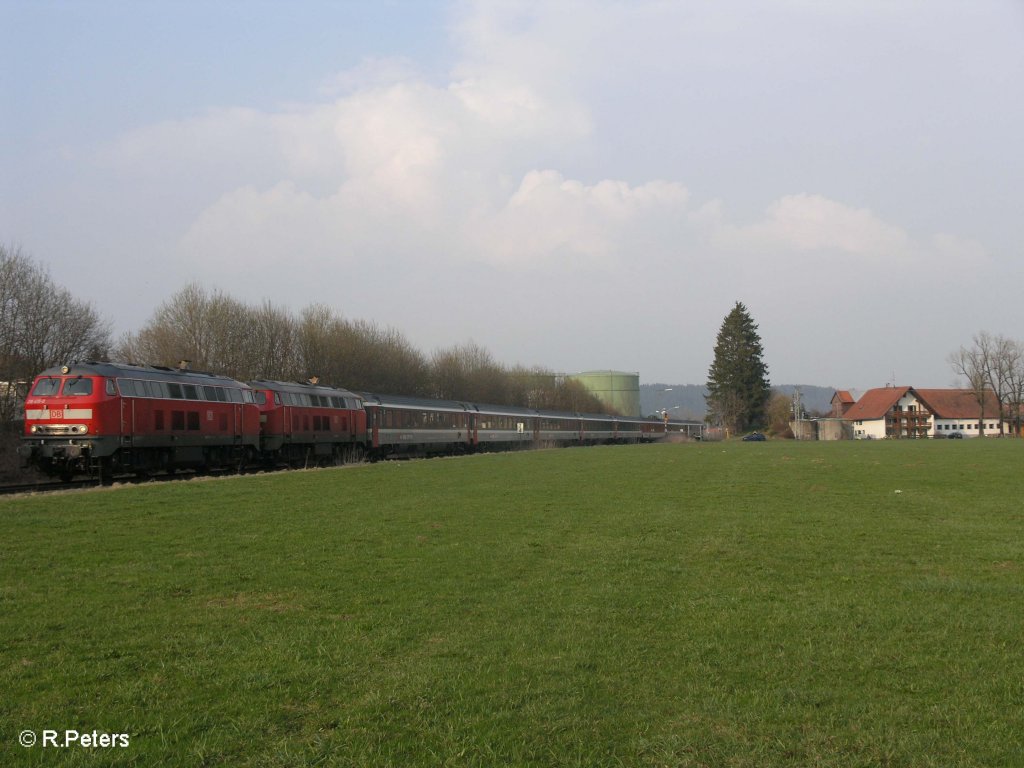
column 579, row 185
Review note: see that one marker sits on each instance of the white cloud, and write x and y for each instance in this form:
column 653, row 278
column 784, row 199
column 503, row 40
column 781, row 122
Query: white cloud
column 603, row 147
column 812, row 223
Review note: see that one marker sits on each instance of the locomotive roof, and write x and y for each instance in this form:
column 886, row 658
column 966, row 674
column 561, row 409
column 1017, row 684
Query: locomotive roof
column 132, row 370
column 299, row 387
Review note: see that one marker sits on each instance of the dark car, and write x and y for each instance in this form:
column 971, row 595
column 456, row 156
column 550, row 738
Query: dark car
column 753, row 437
column 955, row 436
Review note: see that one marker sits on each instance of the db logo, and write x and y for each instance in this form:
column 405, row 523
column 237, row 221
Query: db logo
column 56, row 414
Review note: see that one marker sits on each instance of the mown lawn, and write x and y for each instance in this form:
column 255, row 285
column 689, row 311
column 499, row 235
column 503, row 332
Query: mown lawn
column 736, row 604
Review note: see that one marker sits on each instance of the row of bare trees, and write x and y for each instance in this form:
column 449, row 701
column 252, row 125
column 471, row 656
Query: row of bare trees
column 216, row 332
column 993, row 367
column 40, row 324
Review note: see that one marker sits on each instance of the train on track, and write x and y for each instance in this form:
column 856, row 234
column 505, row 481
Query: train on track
column 100, row 419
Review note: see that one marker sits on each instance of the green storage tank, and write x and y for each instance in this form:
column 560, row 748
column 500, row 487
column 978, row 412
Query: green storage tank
column 618, row 390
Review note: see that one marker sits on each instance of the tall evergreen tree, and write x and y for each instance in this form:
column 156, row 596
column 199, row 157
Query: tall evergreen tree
column 738, row 388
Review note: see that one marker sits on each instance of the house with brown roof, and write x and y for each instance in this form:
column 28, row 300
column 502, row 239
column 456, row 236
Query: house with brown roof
column 842, row 401
column 906, row 412
column 957, row 410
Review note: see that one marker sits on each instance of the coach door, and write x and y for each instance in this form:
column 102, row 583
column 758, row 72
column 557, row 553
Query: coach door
column 373, row 416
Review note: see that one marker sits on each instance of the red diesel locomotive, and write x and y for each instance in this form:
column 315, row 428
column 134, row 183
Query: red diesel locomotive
column 100, row 419
column 308, row 424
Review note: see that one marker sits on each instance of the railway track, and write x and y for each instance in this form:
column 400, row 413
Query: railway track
column 45, row 486
column 51, row 486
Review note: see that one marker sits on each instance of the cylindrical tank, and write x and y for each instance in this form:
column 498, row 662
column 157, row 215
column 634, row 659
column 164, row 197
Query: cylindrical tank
column 618, row 390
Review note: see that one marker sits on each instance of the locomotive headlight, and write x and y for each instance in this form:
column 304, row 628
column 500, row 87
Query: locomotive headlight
column 35, row 428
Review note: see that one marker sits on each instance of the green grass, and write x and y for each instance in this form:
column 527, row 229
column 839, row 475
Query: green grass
column 736, row 604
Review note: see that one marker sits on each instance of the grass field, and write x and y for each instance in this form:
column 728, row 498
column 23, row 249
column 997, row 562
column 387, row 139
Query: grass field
column 735, row 604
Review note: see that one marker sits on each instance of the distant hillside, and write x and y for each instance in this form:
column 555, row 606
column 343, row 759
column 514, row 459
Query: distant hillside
column 686, row 401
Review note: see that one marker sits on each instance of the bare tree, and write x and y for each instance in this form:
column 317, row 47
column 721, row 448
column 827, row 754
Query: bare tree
column 973, row 364
column 1015, row 384
column 994, row 369
column 468, row 372
column 41, row 324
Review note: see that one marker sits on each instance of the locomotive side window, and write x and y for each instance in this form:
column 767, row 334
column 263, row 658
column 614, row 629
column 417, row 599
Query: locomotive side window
column 174, row 392
column 46, row 387
column 78, row 387
column 190, row 391
column 211, row 393
column 110, row 389
column 261, row 398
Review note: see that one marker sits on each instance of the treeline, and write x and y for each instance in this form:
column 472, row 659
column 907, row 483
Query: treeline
column 41, row 323
column 994, row 369
column 215, row 332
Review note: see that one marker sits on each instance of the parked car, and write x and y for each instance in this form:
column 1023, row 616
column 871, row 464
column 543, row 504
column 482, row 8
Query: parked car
column 753, row 437
column 955, row 436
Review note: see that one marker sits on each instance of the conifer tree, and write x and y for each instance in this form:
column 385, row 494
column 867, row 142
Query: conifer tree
column 738, row 388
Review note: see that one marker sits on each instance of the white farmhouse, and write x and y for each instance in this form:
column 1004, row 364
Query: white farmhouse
column 906, row 412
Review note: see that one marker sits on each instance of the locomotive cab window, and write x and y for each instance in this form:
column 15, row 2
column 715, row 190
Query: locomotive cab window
column 46, row 388
column 77, row 387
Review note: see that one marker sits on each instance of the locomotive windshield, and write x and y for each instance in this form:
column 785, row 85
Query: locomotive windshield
column 78, row 386
column 50, row 386
column 46, row 387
